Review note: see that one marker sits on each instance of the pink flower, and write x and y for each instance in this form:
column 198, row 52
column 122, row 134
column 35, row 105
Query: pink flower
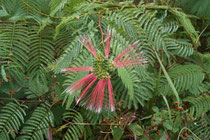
column 97, row 85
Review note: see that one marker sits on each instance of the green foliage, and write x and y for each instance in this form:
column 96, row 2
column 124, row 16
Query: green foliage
column 15, row 48
column 39, row 38
column 180, row 48
column 12, row 117
column 184, row 77
column 150, row 31
column 40, row 121
column 74, row 130
column 200, row 105
column 186, row 22
column 42, row 52
column 117, row 133
column 142, row 86
column 127, row 80
column 25, row 51
column 56, row 6
column 170, row 26
column 201, row 128
column 16, row 10
column 199, row 8
column 136, row 129
column 94, row 118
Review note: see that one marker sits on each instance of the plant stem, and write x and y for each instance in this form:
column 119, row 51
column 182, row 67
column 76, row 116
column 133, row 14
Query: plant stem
column 168, row 79
column 60, row 128
column 169, row 110
column 41, row 13
column 197, row 138
column 29, row 101
column 99, row 25
column 156, row 90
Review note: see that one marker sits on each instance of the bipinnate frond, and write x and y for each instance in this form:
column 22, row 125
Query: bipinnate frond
column 74, row 130
column 40, row 121
column 12, row 117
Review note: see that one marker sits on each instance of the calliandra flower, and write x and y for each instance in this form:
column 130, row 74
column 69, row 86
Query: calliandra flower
column 96, row 86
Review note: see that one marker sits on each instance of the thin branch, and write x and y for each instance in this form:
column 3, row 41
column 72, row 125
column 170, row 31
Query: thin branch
column 99, row 25
column 60, row 128
column 43, row 14
column 104, row 124
column 29, row 101
column 120, row 6
column 25, row 22
column 197, row 138
column 201, row 34
column 196, row 50
column 105, row 132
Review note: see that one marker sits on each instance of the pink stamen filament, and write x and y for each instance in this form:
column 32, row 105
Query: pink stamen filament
column 86, row 89
column 95, row 93
column 77, row 69
column 87, row 43
column 132, row 60
column 131, row 63
column 110, row 90
column 91, row 48
column 101, row 96
column 131, row 57
column 82, row 82
column 125, row 51
column 133, row 51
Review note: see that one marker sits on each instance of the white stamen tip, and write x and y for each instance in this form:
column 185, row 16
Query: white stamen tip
column 98, row 110
column 70, row 91
column 136, row 42
column 77, row 101
column 91, row 107
column 63, row 70
column 112, row 108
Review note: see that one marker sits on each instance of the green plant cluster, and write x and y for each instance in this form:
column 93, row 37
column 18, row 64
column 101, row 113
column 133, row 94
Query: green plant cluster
column 167, row 98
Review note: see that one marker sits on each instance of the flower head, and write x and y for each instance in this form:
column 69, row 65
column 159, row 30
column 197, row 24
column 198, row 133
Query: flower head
column 97, row 86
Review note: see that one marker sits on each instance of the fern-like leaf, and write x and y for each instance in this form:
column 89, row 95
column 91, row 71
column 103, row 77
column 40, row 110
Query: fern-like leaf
column 40, row 120
column 56, row 5
column 200, row 128
column 94, row 117
column 170, row 27
column 15, row 48
column 74, row 129
column 11, row 116
column 199, row 106
column 180, row 48
column 184, row 77
column 143, row 86
column 41, row 52
column 127, row 80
